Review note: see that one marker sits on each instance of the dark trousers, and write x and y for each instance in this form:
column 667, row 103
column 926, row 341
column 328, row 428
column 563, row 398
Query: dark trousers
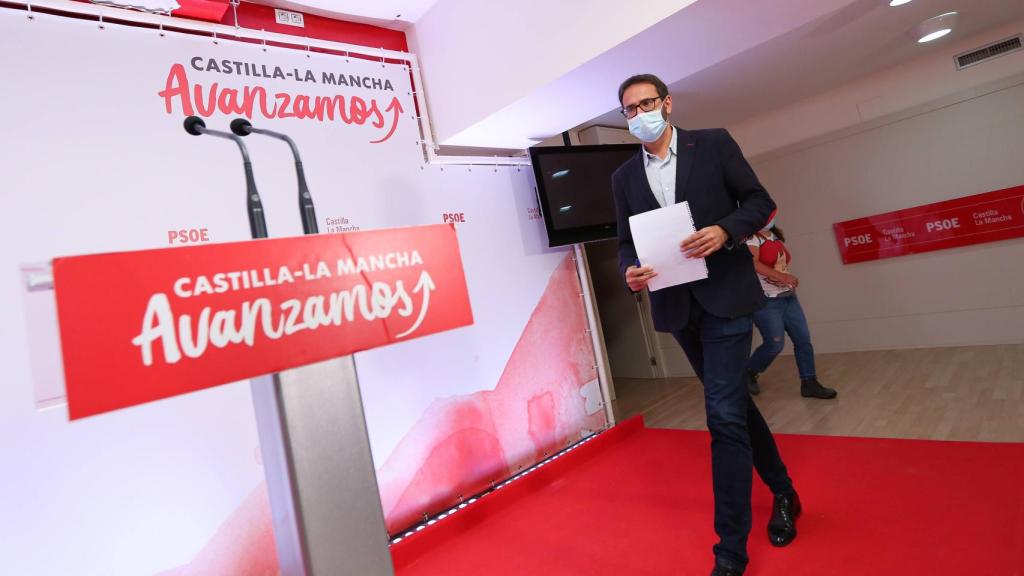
column 740, row 439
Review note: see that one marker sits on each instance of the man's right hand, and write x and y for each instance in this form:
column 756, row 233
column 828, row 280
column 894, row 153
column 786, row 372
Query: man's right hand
column 637, row 278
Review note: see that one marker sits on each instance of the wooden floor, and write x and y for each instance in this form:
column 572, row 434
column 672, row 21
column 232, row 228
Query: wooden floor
column 973, row 393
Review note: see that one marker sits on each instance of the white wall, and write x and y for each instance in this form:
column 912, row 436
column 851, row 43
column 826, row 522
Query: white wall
column 966, row 143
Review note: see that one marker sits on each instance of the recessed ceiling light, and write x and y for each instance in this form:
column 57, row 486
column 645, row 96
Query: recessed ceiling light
column 934, row 35
column 899, row 2
column 935, row 28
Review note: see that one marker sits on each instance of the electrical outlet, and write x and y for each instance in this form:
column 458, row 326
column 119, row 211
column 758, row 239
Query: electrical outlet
column 289, row 18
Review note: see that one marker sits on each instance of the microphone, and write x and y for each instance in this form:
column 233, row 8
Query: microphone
column 242, row 127
column 195, row 126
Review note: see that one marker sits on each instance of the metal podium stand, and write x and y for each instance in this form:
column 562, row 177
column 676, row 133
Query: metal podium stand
column 320, row 474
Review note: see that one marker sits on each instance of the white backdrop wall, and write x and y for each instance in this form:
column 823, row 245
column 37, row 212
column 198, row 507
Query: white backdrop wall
column 93, row 161
column 963, row 296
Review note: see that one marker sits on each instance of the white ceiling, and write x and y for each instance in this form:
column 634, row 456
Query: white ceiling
column 864, row 37
column 691, row 39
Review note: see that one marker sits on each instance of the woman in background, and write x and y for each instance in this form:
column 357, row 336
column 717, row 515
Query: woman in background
column 781, row 315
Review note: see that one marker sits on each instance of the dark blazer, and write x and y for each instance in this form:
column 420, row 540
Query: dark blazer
column 714, row 177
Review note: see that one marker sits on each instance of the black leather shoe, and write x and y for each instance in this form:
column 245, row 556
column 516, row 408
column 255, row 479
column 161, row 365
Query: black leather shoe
column 725, row 570
column 813, row 389
column 752, row 386
column 782, row 526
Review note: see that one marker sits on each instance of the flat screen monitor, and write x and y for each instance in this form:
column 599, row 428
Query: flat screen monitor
column 574, row 185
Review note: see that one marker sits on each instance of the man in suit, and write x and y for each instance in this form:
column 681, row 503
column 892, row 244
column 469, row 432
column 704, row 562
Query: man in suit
column 710, row 318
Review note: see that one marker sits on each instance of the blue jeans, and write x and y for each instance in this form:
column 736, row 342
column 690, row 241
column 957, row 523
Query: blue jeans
column 783, row 315
column 740, row 438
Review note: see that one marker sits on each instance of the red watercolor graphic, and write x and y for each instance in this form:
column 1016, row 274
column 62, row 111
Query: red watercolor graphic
column 243, row 545
column 541, row 410
column 460, row 445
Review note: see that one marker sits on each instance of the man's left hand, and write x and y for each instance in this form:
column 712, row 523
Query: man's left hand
column 704, row 242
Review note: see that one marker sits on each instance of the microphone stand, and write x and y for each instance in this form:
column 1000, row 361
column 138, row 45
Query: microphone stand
column 313, row 437
column 242, row 127
column 257, row 223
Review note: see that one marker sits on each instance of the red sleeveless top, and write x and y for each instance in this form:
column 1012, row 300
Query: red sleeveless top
column 770, row 250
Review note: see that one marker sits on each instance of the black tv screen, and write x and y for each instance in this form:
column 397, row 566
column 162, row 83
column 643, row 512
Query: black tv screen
column 574, row 185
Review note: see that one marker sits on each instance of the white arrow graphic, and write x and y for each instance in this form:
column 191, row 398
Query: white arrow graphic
column 426, row 284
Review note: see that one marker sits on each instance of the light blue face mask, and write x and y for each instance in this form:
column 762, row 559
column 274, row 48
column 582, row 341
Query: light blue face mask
column 648, row 126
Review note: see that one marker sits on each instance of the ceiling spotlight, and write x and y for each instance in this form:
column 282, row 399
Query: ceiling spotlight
column 899, row 2
column 934, row 35
column 936, row 27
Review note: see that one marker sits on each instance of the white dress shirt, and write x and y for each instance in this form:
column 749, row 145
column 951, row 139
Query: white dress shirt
column 661, row 174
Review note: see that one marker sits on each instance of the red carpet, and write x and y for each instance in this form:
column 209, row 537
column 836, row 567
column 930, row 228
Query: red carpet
column 637, row 501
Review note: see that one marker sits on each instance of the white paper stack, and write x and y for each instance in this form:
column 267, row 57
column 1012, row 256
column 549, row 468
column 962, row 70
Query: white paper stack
column 656, row 237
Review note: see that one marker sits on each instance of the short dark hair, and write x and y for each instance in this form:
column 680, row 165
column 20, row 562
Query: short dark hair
column 644, row 79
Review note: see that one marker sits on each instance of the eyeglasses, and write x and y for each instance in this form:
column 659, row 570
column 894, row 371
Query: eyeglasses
column 645, row 105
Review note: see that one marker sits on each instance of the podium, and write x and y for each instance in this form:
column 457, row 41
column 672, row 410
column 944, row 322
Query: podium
column 353, row 292
column 320, row 474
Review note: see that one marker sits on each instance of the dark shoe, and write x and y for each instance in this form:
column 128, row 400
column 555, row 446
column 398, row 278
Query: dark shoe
column 722, row 569
column 752, row 386
column 811, row 388
column 782, row 526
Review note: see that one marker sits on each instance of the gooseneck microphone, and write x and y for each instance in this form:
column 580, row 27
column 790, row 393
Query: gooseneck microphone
column 195, row 126
column 243, row 127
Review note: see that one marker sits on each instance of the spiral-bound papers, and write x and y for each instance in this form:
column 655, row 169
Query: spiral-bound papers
column 656, row 237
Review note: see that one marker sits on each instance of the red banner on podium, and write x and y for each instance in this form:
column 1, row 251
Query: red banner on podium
column 973, row 219
column 141, row 326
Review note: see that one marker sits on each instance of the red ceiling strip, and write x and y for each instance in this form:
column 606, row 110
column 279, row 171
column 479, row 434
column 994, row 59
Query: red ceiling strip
column 206, row 10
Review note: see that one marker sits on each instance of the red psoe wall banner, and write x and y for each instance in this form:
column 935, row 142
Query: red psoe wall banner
column 141, row 326
column 963, row 221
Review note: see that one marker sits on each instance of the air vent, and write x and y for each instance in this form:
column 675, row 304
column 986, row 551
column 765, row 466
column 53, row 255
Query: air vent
column 988, row 52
